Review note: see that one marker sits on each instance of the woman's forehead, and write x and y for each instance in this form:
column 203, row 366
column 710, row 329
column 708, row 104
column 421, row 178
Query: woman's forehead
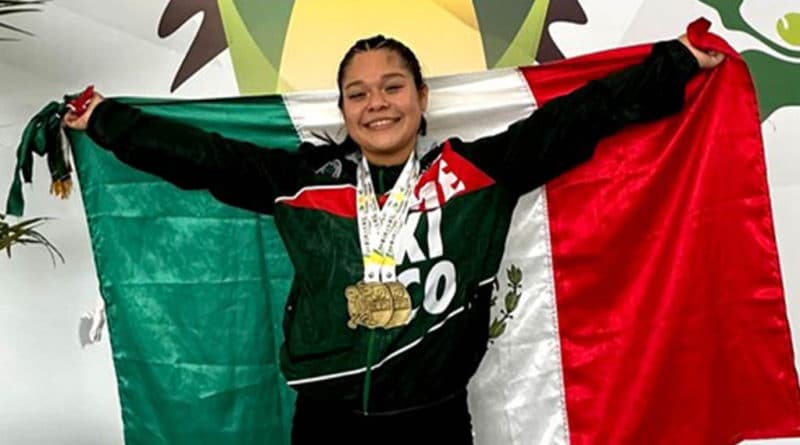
column 374, row 65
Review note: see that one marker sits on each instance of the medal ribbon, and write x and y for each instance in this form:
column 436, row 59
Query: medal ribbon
column 378, row 228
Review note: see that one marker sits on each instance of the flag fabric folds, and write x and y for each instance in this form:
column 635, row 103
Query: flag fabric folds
column 640, row 299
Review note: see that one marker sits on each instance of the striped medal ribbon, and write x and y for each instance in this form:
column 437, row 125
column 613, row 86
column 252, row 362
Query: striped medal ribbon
column 379, row 300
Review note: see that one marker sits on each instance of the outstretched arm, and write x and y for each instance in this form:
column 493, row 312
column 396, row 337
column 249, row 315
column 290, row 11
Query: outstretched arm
column 235, row 172
column 564, row 132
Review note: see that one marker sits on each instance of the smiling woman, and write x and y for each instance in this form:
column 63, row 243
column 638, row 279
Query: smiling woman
column 382, row 97
column 378, row 336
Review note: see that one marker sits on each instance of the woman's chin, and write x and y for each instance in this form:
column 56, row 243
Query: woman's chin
column 386, row 153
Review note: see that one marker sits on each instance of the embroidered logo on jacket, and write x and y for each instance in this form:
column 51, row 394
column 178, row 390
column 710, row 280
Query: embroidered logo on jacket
column 331, row 168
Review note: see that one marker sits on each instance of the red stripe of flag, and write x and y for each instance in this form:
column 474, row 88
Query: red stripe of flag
column 670, row 302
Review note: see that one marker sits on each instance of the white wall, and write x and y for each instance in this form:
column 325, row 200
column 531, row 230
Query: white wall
column 53, row 390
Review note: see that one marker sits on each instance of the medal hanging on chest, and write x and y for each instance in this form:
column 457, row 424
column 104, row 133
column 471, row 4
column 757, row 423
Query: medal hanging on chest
column 379, row 300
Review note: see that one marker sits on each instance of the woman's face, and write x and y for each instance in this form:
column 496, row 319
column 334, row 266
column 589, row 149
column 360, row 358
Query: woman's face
column 382, row 106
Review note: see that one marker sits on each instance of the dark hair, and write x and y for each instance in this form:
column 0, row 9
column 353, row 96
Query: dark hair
column 380, row 42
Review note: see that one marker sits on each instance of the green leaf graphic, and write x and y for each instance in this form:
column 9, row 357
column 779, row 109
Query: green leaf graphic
column 512, row 299
column 789, row 28
column 497, row 328
column 514, row 275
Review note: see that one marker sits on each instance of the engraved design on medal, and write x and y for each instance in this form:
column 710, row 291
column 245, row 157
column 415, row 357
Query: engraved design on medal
column 377, row 305
column 401, row 303
column 369, row 305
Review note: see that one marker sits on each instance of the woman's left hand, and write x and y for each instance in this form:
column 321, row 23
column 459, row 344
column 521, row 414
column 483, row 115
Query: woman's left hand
column 706, row 59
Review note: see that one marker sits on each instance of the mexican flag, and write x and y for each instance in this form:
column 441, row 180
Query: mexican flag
column 639, row 302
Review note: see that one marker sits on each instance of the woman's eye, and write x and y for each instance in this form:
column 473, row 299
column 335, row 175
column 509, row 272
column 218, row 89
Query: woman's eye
column 356, row 96
column 393, row 88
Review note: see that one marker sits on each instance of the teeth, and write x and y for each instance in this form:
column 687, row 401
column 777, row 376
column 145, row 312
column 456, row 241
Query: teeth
column 380, row 123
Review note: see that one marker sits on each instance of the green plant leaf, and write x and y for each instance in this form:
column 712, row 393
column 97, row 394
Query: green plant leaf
column 12, row 10
column 14, row 28
column 8, row 3
column 25, row 233
column 10, row 7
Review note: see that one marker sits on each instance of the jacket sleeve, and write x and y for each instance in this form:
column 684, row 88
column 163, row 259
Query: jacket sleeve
column 563, row 133
column 235, row 172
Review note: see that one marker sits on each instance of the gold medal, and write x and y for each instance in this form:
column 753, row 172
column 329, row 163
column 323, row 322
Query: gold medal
column 377, row 305
column 369, row 305
column 401, row 304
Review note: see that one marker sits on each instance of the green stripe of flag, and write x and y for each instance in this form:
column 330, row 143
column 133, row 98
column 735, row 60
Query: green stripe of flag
column 194, row 289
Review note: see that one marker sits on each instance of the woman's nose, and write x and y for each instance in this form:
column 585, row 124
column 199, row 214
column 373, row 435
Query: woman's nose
column 377, row 101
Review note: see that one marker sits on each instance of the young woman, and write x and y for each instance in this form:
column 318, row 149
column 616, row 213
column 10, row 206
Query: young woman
column 381, row 335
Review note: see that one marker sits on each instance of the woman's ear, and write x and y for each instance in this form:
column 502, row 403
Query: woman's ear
column 423, row 97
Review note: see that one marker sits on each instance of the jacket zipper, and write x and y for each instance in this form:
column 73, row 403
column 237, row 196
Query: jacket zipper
column 368, row 375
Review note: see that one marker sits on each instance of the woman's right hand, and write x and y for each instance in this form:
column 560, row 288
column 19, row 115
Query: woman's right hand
column 75, row 122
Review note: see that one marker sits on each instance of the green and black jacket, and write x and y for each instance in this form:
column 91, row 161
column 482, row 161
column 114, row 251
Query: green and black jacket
column 468, row 191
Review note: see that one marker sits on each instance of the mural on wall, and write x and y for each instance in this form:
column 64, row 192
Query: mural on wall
column 271, row 48
column 209, row 41
column 771, row 74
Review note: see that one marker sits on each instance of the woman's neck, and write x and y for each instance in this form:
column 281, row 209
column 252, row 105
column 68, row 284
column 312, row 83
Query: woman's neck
column 384, row 159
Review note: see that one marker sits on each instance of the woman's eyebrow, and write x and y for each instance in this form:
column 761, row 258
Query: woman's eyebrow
column 395, row 74
column 383, row 77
